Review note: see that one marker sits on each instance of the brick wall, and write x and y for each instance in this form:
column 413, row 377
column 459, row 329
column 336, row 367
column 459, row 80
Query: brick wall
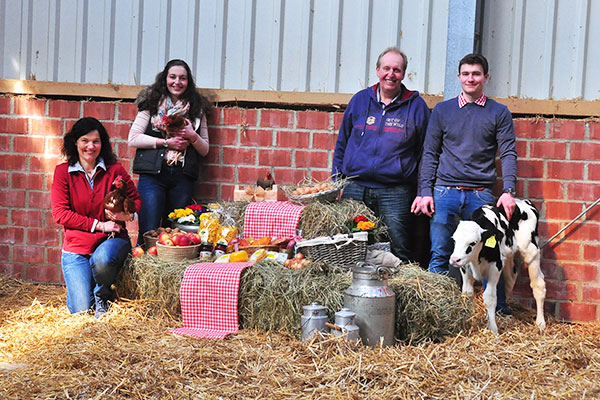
column 559, row 169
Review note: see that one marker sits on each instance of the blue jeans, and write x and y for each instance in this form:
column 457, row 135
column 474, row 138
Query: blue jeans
column 160, row 195
column 451, row 206
column 88, row 277
column 392, row 205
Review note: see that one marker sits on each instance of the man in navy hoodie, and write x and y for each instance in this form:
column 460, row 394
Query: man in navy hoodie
column 458, row 168
column 379, row 146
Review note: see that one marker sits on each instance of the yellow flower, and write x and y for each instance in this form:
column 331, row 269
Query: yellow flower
column 365, row 225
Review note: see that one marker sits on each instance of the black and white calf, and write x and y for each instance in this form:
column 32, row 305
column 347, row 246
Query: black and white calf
column 485, row 246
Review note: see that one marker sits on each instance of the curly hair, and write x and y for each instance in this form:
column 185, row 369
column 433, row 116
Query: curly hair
column 149, row 97
column 82, row 127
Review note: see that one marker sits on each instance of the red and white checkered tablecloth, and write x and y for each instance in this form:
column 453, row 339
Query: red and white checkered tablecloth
column 209, row 299
column 275, row 219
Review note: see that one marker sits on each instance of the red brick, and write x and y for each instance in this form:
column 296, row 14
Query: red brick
column 13, row 125
column 12, row 198
column 583, row 191
column 530, row 128
column 54, row 145
column 12, row 235
column 28, row 254
column 126, row 163
column 117, row 130
column 64, row 109
column 28, row 144
column 591, row 252
column 122, row 150
column 31, row 107
column 43, row 273
column 293, row 139
column 222, row 136
column 208, row 191
column 226, row 192
column 214, row 117
column 5, row 143
column 47, row 127
column 594, row 174
column 560, row 290
column 562, row 210
column 564, row 251
column 324, row 141
column 102, row 111
column 594, row 130
column 548, row 149
column 218, row 174
column 213, row 156
column 578, row 312
column 320, row 176
column 590, row 292
column 549, row 228
column 46, row 163
column 566, row 129
column 15, row 270
column 27, row 181
column 3, row 216
column 250, row 174
column 586, row 231
column 54, row 255
column 277, row 158
column 550, row 269
column 26, row 218
column 289, row 176
column 337, row 121
column 530, row 169
column 308, row 159
column 580, row 272
column 13, row 163
column 549, row 190
column 41, row 236
column 127, row 111
column 256, row 137
column 239, row 116
column 312, row 120
column 565, row 170
column 39, row 199
column 585, row 151
column 4, row 105
column 243, row 156
column 276, row 118
column 521, row 146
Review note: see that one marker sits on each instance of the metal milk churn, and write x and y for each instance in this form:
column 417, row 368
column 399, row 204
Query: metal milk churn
column 374, row 303
column 345, row 320
column 313, row 320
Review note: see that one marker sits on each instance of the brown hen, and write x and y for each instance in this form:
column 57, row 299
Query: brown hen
column 117, row 201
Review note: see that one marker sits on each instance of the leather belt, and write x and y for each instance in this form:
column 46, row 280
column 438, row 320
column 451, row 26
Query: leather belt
column 470, row 189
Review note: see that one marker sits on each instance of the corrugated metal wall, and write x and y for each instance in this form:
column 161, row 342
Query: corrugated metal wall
column 538, row 49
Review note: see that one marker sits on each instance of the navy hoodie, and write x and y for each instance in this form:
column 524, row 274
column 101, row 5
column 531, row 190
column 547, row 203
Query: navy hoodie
column 381, row 147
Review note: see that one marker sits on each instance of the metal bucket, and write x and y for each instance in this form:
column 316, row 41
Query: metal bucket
column 313, row 320
column 374, row 303
column 344, row 320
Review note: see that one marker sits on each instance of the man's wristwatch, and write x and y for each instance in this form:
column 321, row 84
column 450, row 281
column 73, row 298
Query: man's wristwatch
column 165, row 144
column 510, row 191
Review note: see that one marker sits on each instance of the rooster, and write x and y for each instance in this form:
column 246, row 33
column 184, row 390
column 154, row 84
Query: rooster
column 117, row 201
column 266, row 183
column 174, row 124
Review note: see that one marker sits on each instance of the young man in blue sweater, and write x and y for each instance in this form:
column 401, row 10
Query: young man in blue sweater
column 379, row 146
column 458, row 168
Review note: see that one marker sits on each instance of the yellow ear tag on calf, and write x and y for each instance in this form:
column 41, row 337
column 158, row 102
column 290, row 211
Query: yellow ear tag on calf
column 491, row 242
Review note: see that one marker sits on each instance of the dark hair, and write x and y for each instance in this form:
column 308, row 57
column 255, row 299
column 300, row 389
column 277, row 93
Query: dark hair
column 474, row 59
column 393, row 49
column 149, row 97
column 82, row 127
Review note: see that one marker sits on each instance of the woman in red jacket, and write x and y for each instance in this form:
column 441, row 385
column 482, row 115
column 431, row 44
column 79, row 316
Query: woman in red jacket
column 95, row 245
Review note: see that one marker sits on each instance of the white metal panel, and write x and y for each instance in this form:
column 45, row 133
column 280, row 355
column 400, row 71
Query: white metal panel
column 181, row 34
column 96, row 54
column 384, row 33
column 208, row 68
column 11, row 27
column 591, row 66
column 236, row 60
column 323, row 65
column 353, row 46
column 265, row 58
column 152, row 53
column 295, row 46
column 126, row 22
column 436, row 57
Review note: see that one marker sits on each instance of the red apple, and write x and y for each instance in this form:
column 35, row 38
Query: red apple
column 194, row 237
column 168, row 242
column 183, row 241
column 163, row 236
column 137, row 251
column 152, row 251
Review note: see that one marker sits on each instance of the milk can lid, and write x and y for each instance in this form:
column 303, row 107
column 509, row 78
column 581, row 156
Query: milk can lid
column 345, row 313
column 314, row 307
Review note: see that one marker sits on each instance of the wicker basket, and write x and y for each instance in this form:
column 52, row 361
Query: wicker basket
column 177, row 253
column 341, row 250
column 149, row 240
column 326, row 195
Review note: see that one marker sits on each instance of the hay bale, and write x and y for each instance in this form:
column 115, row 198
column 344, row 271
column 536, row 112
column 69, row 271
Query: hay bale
column 429, row 307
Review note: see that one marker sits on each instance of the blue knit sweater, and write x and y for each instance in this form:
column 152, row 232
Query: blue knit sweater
column 461, row 145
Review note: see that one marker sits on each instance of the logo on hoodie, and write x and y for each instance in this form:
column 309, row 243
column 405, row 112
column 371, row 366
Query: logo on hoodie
column 371, row 120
